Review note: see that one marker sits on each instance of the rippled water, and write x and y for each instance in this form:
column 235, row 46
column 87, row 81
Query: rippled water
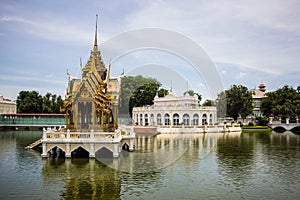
column 253, row 165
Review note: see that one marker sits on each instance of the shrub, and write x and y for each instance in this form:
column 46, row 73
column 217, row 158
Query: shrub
column 262, row 120
column 251, row 124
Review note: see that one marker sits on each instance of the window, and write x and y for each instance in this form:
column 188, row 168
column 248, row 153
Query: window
column 158, row 119
column 196, row 119
column 167, row 119
column 186, row 119
column 210, row 119
column 146, row 120
column 175, row 119
column 141, row 119
column 152, row 123
column 204, row 118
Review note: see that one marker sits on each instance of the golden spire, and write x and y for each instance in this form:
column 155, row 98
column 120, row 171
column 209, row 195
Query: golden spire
column 95, row 41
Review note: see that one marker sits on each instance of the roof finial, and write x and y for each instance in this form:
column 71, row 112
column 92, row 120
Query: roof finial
column 95, row 41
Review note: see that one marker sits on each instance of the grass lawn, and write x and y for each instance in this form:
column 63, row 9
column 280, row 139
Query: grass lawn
column 256, row 127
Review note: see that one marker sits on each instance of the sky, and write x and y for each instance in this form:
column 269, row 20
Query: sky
column 248, row 41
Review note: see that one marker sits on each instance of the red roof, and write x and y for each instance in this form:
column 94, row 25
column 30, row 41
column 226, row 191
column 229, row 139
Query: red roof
column 36, row 114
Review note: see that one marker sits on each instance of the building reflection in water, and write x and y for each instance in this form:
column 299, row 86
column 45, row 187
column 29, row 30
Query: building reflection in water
column 82, row 178
column 156, row 153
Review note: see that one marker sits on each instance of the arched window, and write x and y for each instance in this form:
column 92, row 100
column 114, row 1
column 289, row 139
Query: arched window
column 146, row 120
column 186, row 119
column 152, row 123
column 204, row 118
column 141, row 120
column 196, row 119
column 167, row 119
column 210, row 119
column 158, row 119
column 175, row 119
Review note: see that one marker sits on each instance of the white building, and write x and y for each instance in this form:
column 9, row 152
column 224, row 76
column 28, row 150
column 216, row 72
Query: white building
column 7, row 106
column 173, row 111
column 258, row 96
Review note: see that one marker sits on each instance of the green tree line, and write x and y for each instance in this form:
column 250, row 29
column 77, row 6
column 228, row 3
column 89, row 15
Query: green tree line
column 285, row 101
column 33, row 102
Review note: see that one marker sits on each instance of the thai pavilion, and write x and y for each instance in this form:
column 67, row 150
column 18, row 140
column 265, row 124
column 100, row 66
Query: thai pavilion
column 91, row 101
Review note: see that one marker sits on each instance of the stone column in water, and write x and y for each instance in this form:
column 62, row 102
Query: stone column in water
column 68, row 153
column 44, row 154
column 131, row 144
column 116, row 151
column 92, row 150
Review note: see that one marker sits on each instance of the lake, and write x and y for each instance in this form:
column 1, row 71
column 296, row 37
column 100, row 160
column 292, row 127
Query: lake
column 250, row 165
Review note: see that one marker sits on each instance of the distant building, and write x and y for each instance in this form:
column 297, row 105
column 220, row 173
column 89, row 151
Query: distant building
column 7, row 106
column 258, row 96
column 174, row 111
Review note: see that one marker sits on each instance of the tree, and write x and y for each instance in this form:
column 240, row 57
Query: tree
column 208, row 102
column 239, row 101
column 284, row 101
column 192, row 93
column 262, row 120
column 128, row 85
column 143, row 95
column 162, row 92
column 29, row 102
column 33, row 102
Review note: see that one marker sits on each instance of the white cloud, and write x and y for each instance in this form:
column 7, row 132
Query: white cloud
column 241, row 75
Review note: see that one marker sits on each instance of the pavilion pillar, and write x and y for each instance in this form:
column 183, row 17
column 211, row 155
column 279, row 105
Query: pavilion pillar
column 68, row 153
column 131, row 144
column 116, row 151
column 92, row 150
column 44, row 153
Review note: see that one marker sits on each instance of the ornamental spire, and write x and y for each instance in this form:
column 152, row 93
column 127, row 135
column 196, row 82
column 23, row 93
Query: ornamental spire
column 95, row 41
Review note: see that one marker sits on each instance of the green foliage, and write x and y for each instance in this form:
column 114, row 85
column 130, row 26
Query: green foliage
column 33, row 102
column 208, row 102
column 238, row 101
column 128, row 85
column 162, row 92
column 262, row 120
column 284, row 101
column 192, row 93
column 250, row 124
column 143, row 95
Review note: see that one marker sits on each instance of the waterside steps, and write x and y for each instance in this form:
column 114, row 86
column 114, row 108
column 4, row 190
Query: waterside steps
column 34, row 144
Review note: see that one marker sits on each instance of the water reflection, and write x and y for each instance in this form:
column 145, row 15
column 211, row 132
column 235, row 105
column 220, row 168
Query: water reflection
column 156, row 153
column 251, row 165
column 81, row 178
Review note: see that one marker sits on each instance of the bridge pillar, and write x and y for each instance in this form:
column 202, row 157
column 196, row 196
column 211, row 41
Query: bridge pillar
column 44, row 153
column 287, row 120
column 68, row 153
column 131, row 144
column 92, row 150
column 116, row 151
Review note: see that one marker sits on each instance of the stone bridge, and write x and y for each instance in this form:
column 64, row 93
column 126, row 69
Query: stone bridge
column 285, row 126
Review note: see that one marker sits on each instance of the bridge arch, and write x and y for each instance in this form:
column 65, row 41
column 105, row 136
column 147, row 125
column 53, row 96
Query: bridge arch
column 104, row 152
column 125, row 146
column 56, row 151
column 296, row 130
column 279, row 129
column 80, row 152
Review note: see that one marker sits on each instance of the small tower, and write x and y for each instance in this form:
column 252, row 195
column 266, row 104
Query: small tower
column 262, row 87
